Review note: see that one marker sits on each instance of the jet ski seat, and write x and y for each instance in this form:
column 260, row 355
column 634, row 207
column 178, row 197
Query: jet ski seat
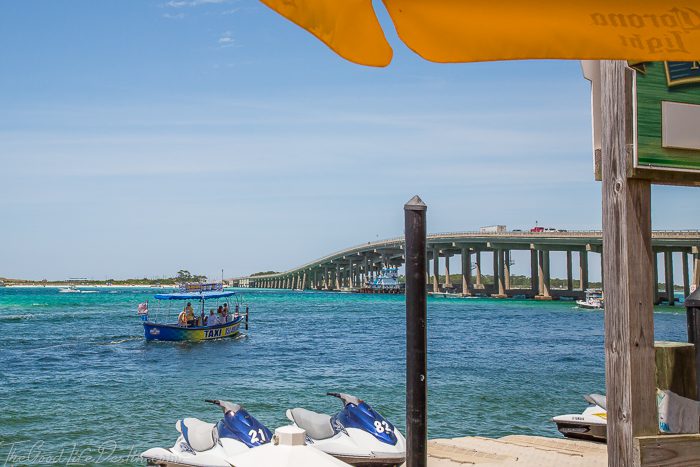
column 596, row 399
column 317, row 425
column 201, row 436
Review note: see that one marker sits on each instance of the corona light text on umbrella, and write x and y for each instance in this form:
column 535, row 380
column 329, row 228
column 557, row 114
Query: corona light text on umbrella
column 479, row 30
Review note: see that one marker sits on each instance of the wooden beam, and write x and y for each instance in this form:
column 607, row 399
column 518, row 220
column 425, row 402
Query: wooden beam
column 627, row 263
column 666, row 450
column 675, row 368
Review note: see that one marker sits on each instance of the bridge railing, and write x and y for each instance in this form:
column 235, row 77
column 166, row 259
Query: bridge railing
column 398, row 241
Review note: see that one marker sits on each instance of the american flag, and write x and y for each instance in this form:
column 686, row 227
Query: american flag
column 143, row 308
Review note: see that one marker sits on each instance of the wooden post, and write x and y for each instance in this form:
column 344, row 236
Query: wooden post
column 627, row 261
column 692, row 310
column 416, row 335
column 668, row 276
column 675, row 368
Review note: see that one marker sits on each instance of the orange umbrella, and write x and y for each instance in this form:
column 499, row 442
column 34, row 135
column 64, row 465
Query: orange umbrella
column 479, row 30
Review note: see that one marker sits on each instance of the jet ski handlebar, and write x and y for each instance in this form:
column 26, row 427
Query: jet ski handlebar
column 225, row 405
column 346, row 398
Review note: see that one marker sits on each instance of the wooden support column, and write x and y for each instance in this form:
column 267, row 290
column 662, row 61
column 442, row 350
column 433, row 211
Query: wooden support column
column 466, row 271
column 436, row 270
column 686, row 276
column 534, row 272
column 668, row 276
column 477, row 271
column 569, row 272
column 583, row 269
column 627, row 261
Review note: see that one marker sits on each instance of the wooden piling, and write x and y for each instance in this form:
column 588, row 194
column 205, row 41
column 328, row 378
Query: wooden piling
column 627, row 263
column 416, row 335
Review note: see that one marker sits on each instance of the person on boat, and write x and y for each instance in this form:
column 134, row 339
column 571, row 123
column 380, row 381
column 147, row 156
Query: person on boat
column 212, row 319
column 182, row 318
column 189, row 314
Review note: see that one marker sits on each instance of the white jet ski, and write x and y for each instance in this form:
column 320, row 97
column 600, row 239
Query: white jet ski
column 590, row 425
column 205, row 444
column 357, row 434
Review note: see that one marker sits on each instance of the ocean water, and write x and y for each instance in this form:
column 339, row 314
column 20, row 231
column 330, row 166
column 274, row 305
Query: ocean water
column 78, row 379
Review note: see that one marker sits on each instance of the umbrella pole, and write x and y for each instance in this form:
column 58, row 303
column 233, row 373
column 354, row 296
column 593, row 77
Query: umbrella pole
column 416, row 335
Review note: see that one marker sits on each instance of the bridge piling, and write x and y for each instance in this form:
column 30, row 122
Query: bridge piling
column 686, row 277
column 583, row 269
column 668, row 276
column 506, row 270
column 466, row 271
column 448, row 282
column 436, row 270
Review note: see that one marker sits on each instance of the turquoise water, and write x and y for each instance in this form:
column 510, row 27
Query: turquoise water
column 77, row 373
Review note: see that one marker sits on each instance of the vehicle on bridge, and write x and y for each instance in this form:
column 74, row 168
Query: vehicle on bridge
column 194, row 328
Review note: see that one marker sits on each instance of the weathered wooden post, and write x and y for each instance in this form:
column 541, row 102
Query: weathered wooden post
column 692, row 310
column 627, row 264
column 416, row 335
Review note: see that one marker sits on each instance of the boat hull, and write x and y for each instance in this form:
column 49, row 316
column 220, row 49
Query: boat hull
column 173, row 332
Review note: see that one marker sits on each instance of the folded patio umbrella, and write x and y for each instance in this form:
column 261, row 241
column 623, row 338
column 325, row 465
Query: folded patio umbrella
column 479, row 30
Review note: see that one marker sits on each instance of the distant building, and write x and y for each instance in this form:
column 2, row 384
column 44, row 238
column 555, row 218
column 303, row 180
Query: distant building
column 493, row 229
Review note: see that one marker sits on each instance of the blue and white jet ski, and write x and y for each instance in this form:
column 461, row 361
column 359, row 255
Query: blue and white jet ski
column 357, row 435
column 207, row 444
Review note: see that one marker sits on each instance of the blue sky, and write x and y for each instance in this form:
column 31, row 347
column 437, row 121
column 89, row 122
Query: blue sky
column 141, row 137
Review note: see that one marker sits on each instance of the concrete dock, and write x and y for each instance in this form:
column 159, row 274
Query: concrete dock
column 516, row 450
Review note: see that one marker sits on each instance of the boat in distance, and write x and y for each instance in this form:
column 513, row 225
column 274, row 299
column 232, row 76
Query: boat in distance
column 594, row 300
column 201, row 328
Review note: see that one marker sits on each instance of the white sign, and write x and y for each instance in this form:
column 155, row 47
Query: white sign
column 681, row 125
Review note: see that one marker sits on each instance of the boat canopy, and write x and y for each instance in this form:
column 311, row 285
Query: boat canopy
column 193, row 295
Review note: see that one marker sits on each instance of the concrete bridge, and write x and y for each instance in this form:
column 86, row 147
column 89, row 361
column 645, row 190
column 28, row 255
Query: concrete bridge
column 352, row 267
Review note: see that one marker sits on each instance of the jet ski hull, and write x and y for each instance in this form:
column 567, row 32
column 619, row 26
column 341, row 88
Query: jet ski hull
column 583, row 430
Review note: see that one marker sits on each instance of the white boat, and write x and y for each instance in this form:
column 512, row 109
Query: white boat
column 69, row 289
column 594, row 300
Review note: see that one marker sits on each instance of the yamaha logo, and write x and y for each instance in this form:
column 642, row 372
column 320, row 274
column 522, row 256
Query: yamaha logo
column 154, row 332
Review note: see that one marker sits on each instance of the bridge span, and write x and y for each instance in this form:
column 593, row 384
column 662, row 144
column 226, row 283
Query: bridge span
column 352, row 267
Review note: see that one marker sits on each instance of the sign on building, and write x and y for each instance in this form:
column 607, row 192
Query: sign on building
column 666, row 120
